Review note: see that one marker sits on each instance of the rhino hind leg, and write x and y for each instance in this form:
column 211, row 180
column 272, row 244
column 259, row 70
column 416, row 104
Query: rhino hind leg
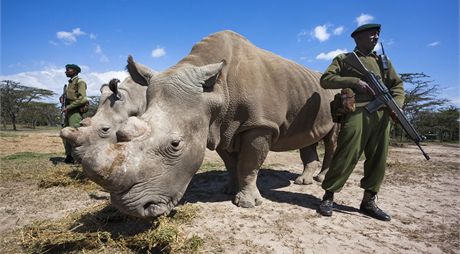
column 255, row 145
column 330, row 143
column 310, row 160
column 230, row 161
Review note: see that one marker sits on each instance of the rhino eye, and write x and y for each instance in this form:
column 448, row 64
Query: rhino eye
column 175, row 143
column 105, row 129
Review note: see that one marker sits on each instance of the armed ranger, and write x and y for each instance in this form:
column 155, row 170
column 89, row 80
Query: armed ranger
column 383, row 98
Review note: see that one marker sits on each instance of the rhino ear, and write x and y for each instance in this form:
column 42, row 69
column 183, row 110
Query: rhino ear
column 139, row 73
column 113, row 85
column 210, row 74
column 104, row 89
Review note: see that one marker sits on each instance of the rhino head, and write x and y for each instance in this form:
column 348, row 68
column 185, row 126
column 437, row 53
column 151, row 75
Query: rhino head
column 117, row 104
column 156, row 155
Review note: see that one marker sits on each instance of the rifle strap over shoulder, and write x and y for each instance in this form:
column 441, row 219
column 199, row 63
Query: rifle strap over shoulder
column 383, row 65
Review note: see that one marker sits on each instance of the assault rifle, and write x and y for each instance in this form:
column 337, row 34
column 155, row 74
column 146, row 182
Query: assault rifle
column 63, row 101
column 383, row 98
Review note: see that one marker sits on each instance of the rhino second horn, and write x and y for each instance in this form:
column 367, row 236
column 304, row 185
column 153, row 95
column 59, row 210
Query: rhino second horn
column 133, row 128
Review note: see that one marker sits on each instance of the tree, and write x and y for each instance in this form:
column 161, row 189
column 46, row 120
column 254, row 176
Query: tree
column 14, row 97
column 442, row 124
column 422, row 96
column 39, row 113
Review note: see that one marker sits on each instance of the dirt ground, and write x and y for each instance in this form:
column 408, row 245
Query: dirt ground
column 421, row 196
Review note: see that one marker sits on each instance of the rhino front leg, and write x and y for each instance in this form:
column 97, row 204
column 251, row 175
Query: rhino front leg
column 230, row 161
column 255, row 145
column 310, row 160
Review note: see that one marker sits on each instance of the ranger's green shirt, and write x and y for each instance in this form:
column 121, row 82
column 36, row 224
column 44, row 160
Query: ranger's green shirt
column 76, row 93
column 340, row 75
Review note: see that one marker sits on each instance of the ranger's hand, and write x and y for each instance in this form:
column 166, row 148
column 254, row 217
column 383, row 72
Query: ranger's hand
column 363, row 87
column 61, row 99
column 64, row 110
column 393, row 116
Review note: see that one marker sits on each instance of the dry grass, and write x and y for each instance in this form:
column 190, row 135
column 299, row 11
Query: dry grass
column 405, row 172
column 102, row 229
column 99, row 229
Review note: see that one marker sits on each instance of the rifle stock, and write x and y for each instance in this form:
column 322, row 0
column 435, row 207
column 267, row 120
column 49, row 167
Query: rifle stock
column 383, row 98
column 63, row 106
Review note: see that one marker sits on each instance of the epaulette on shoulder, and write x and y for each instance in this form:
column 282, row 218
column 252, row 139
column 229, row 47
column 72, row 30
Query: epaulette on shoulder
column 342, row 55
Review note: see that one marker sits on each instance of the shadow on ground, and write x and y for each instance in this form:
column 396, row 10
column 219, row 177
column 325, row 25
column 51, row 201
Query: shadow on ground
column 208, row 187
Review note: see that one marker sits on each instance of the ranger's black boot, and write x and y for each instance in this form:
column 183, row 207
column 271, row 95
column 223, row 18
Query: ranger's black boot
column 326, row 206
column 69, row 159
column 369, row 207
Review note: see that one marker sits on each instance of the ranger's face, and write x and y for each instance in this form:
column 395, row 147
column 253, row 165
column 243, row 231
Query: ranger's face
column 366, row 40
column 69, row 72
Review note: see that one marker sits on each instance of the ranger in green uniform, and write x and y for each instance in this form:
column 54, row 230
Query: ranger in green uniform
column 361, row 131
column 75, row 99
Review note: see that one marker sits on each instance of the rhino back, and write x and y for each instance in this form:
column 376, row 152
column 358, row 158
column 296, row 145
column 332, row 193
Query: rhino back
column 264, row 90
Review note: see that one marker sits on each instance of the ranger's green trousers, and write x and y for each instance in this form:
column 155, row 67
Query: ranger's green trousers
column 72, row 119
column 360, row 132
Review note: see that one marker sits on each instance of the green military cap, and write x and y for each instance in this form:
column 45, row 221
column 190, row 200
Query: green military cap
column 73, row 66
column 364, row 28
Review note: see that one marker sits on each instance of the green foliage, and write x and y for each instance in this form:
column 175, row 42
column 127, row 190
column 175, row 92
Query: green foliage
column 442, row 124
column 423, row 94
column 39, row 114
column 426, row 110
column 25, row 156
column 14, row 97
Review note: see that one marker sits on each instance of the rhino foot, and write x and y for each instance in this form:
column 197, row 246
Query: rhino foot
column 303, row 180
column 320, row 176
column 248, row 200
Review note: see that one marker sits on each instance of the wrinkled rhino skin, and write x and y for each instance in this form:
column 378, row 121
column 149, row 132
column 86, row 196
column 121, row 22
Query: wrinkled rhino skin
column 226, row 95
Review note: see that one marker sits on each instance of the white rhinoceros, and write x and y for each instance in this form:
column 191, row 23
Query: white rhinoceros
column 226, row 95
column 116, row 104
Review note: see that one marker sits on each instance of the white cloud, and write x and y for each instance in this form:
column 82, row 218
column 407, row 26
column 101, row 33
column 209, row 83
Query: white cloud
column 158, row 52
column 364, row 19
column 390, row 42
column 320, row 33
column 53, row 43
column 54, row 79
column 330, row 55
column 92, row 36
column 98, row 49
column 69, row 37
column 434, row 44
column 301, row 34
column 102, row 58
column 338, row 30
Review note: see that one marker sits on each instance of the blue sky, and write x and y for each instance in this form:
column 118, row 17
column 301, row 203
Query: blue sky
column 39, row 37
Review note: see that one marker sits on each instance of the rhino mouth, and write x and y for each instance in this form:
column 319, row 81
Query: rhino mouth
column 154, row 209
column 143, row 205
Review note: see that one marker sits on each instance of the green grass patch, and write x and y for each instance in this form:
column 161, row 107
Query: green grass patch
column 105, row 229
column 45, row 169
column 11, row 134
column 211, row 166
column 26, row 156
